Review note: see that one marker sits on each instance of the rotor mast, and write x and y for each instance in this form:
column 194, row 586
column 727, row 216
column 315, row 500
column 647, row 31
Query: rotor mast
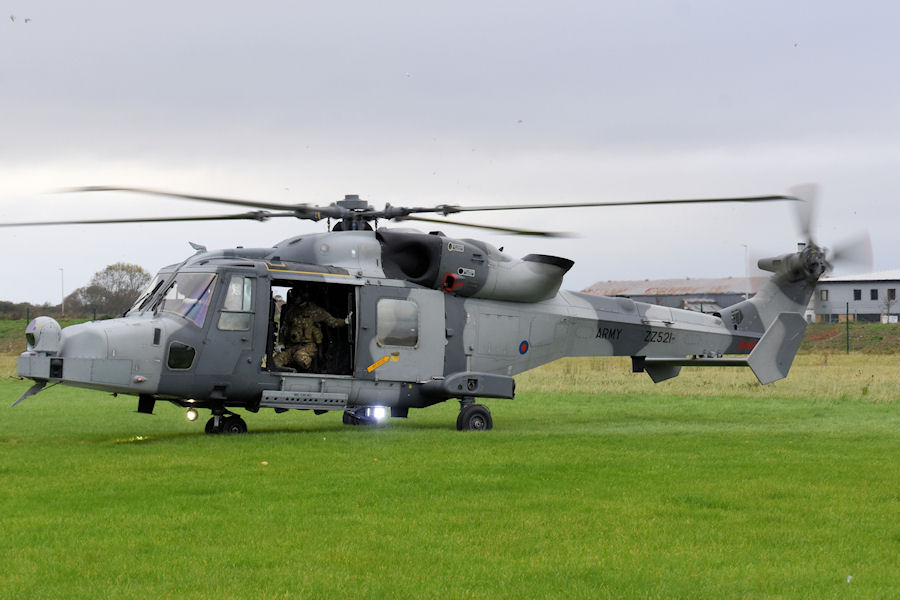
column 355, row 214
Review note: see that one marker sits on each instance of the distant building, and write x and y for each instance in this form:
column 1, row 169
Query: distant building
column 701, row 294
column 868, row 297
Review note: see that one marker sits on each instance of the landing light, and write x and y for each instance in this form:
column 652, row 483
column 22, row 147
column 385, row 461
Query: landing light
column 192, row 414
column 379, row 413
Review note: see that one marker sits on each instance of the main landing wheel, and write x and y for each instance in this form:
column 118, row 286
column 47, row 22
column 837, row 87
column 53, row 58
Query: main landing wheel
column 227, row 424
column 474, row 417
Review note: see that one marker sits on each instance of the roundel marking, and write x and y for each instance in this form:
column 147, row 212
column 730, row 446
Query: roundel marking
column 523, row 347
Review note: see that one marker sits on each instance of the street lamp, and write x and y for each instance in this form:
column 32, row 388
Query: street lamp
column 746, row 271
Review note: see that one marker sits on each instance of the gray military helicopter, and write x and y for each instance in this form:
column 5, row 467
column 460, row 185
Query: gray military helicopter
column 424, row 318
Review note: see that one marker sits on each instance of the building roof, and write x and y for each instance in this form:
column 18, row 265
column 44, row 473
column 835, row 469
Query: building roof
column 712, row 285
column 672, row 287
column 893, row 275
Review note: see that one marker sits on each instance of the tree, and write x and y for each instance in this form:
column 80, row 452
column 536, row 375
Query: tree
column 111, row 291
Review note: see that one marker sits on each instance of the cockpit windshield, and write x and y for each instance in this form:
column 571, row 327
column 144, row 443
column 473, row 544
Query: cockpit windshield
column 189, row 296
column 144, row 299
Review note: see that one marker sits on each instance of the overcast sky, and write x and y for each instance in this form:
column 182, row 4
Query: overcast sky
column 448, row 102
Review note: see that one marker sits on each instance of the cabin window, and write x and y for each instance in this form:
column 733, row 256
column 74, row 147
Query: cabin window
column 181, row 356
column 398, row 322
column 238, row 303
column 189, row 296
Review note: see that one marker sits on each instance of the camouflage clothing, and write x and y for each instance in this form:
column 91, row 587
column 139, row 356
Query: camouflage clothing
column 300, row 333
column 296, row 356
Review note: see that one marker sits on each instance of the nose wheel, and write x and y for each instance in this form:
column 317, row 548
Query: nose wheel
column 226, row 423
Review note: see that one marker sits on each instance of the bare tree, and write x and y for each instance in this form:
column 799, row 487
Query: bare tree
column 112, row 290
column 890, row 298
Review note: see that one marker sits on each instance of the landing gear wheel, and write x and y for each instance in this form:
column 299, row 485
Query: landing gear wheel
column 233, row 424
column 474, row 417
column 228, row 423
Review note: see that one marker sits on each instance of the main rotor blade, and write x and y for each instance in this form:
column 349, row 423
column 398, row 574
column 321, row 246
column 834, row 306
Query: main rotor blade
column 450, row 209
column 216, row 199
column 259, row 215
column 511, row 230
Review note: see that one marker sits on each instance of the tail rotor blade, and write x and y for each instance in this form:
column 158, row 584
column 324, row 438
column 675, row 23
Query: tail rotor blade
column 854, row 252
column 807, row 194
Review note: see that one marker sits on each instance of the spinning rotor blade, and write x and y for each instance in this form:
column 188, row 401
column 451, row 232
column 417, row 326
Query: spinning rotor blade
column 807, row 194
column 853, row 252
column 355, row 211
column 399, row 214
column 215, row 199
column 450, row 209
column 534, row 232
column 260, row 215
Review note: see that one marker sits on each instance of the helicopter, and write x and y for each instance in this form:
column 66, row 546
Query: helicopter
column 416, row 319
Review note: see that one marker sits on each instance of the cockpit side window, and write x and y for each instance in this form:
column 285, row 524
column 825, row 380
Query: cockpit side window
column 238, row 304
column 189, row 296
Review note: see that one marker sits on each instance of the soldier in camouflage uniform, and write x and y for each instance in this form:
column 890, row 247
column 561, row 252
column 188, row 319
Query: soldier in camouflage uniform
column 300, row 331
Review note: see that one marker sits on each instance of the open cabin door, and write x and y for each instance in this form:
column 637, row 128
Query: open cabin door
column 401, row 334
column 313, row 332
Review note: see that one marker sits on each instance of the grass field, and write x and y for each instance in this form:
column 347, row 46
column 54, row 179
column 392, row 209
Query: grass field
column 595, row 483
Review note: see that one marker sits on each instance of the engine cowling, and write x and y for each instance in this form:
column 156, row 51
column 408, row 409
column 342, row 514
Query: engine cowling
column 470, row 268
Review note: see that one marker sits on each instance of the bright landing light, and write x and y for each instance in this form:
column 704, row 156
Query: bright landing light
column 192, row 414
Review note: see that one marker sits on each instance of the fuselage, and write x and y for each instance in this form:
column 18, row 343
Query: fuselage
column 205, row 332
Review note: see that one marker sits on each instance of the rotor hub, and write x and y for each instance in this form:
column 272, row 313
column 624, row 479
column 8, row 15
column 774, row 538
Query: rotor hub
column 814, row 262
column 354, row 203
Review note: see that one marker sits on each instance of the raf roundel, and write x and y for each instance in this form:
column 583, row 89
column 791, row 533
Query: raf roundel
column 523, row 347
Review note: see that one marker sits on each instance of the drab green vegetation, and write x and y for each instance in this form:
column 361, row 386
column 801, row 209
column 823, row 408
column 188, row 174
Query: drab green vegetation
column 595, row 483
column 866, row 338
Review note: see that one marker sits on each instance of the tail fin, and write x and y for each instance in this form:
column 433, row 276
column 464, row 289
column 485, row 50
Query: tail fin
column 771, row 359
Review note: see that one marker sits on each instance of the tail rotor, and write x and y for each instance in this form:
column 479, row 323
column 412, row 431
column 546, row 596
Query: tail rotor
column 812, row 261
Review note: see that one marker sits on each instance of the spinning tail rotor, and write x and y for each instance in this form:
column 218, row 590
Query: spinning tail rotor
column 812, row 261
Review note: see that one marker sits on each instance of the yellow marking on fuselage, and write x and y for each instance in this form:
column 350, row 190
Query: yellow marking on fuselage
column 381, row 361
column 274, row 268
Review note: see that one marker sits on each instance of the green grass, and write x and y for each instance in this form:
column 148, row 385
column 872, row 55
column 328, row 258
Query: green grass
column 594, row 483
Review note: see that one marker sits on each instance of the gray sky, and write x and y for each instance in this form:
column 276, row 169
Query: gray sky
column 452, row 102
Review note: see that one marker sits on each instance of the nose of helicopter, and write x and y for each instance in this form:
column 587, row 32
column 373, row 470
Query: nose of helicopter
column 116, row 355
column 85, row 340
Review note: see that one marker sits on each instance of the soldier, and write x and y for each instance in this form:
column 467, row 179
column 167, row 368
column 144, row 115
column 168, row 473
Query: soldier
column 300, row 332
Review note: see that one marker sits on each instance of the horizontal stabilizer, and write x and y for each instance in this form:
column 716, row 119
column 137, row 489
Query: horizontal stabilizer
column 660, row 369
column 770, row 360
